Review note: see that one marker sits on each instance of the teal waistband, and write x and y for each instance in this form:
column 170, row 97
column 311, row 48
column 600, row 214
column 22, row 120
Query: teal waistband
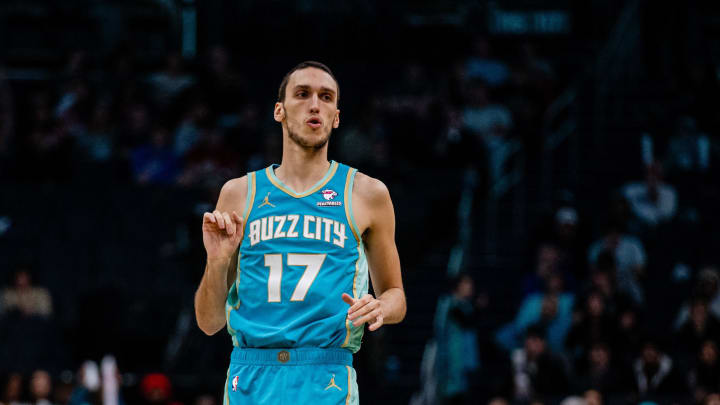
column 290, row 357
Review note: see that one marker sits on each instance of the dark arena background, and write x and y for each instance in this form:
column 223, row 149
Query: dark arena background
column 554, row 167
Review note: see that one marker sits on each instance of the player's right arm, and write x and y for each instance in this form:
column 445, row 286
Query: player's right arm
column 222, row 233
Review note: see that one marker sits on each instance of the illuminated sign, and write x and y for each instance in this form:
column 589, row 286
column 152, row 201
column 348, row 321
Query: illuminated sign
column 519, row 22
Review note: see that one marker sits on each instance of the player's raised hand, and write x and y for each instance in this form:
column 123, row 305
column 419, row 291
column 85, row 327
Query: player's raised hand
column 367, row 309
column 222, row 233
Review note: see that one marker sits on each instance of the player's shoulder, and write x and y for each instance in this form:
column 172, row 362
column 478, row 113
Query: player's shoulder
column 234, row 189
column 370, row 189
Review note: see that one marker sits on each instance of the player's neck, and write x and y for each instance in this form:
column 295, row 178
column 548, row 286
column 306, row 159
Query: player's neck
column 301, row 168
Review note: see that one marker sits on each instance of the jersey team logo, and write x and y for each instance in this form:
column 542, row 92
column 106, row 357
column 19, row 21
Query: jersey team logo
column 235, row 383
column 329, row 195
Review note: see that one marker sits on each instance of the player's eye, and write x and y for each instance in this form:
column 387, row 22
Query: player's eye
column 302, row 93
column 327, row 97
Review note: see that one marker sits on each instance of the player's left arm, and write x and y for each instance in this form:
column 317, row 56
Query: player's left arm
column 389, row 305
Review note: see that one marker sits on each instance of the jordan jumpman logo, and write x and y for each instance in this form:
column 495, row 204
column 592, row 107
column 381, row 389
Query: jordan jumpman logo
column 332, row 384
column 266, row 201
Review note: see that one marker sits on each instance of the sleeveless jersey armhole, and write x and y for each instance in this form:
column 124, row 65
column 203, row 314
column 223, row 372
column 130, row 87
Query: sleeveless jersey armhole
column 249, row 199
column 246, row 214
column 348, row 205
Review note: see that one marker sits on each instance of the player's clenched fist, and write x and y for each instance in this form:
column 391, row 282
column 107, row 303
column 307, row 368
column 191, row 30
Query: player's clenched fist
column 222, row 233
column 364, row 310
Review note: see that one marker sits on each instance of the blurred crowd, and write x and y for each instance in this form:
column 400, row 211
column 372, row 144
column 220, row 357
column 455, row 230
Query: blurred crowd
column 196, row 123
column 26, row 313
column 582, row 334
column 628, row 314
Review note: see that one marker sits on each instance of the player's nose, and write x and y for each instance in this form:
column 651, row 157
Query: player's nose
column 315, row 103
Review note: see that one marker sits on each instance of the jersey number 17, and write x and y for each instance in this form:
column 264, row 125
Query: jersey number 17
column 312, row 263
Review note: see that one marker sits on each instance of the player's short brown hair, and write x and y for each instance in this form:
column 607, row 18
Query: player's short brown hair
column 303, row 65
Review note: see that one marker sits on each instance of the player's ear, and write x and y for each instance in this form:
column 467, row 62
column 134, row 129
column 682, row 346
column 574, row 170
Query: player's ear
column 279, row 112
column 336, row 120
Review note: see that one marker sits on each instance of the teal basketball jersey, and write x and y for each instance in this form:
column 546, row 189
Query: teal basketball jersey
column 299, row 253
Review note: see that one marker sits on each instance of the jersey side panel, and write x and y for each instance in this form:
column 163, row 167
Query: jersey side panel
column 233, row 300
column 354, row 335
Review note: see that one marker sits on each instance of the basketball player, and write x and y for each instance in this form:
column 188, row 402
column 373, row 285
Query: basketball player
column 288, row 253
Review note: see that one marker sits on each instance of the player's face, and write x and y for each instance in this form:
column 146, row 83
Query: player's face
column 309, row 112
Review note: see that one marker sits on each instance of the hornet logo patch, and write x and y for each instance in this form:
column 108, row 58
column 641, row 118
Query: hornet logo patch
column 329, row 195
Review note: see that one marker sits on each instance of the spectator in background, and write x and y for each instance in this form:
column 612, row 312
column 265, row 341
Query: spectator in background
column 654, row 372
column 156, row 389
column 24, row 298
column 547, row 262
column 62, row 390
column 481, row 65
column 97, row 143
column 688, row 151
column 551, row 311
column 456, row 341
column 591, row 324
column 155, row 162
column 653, row 202
column 629, row 256
column 602, row 280
column 573, row 400
column 48, row 142
column 706, row 287
column 168, row 83
column 599, row 372
column 704, row 377
column 550, row 260
column 136, row 129
column 205, row 399
column 593, row 397
column 570, row 245
column 40, row 388
column 700, row 326
column 491, row 123
column 712, row 399
column 193, row 121
column 13, row 390
column 29, row 337
column 498, row 401
column 97, row 385
column 537, row 372
column 629, row 335
column 87, row 390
